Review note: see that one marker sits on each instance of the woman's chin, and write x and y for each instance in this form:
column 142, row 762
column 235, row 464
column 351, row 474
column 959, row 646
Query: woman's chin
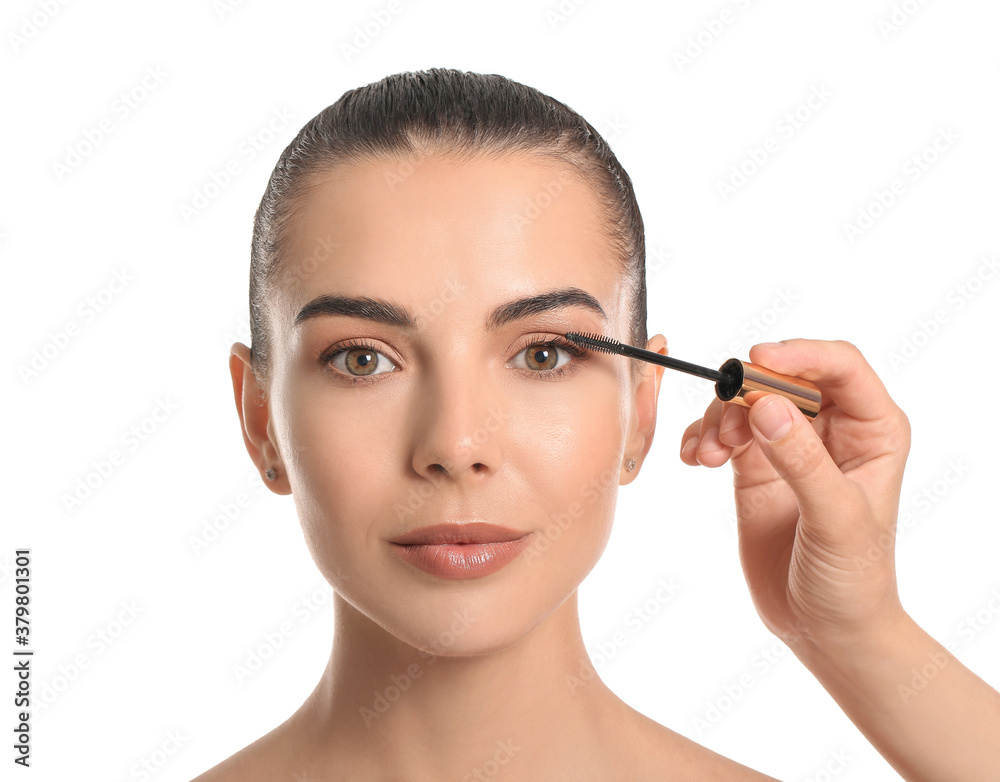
column 463, row 632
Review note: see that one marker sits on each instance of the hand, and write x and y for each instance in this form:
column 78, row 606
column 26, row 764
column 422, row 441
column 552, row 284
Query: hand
column 816, row 501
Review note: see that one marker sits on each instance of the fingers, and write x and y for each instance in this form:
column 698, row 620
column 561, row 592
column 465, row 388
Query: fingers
column 734, row 429
column 711, row 450
column 702, row 442
column 796, row 451
column 846, row 379
column 689, row 443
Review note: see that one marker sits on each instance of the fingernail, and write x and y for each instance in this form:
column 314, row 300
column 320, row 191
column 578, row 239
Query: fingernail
column 770, row 344
column 689, row 447
column 773, row 419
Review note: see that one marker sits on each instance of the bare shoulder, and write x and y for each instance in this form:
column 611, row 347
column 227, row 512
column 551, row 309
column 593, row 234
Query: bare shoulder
column 271, row 757
column 647, row 749
column 667, row 754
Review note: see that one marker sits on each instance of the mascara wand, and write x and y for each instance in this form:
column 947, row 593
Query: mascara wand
column 735, row 381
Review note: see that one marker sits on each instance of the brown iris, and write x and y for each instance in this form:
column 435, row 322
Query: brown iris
column 361, row 361
column 540, row 356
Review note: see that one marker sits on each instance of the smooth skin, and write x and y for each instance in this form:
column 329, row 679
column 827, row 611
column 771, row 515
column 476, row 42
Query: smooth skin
column 462, row 423
column 489, row 670
column 816, row 504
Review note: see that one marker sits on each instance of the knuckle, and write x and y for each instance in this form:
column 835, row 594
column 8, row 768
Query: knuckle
column 904, row 431
column 850, row 348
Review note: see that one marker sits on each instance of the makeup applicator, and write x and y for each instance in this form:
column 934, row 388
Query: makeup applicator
column 735, row 381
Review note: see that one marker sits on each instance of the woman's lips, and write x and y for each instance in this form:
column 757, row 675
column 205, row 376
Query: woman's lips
column 459, row 551
column 461, row 560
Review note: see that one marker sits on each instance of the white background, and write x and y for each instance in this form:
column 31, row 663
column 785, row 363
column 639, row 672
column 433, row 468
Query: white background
column 715, row 265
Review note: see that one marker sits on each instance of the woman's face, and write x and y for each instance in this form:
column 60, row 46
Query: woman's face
column 452, row 418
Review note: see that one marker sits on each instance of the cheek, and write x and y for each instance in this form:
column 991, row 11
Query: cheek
column 341, row 453
column 556, row 465
column 568, row 454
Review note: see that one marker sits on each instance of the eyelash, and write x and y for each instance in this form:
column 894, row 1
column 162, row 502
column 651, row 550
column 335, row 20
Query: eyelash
column 579, row 354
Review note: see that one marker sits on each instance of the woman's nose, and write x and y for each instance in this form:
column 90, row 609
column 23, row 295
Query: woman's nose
column 460, row 430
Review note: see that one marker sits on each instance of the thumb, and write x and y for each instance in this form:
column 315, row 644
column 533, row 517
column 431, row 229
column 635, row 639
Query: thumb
column 797, row 453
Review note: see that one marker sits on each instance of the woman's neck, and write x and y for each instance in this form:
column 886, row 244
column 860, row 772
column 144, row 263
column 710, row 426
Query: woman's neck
column 537, row 705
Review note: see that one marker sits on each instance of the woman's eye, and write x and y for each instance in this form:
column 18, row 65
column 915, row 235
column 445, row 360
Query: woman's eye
column 360, row 361
column 543, row 357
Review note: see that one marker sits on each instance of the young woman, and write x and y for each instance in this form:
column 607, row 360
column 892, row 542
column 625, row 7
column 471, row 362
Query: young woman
column 422, row 248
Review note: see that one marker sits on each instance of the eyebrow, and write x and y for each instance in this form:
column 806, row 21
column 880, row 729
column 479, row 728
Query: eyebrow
column 382, row 311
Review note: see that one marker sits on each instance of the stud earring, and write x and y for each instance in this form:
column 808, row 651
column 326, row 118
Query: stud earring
column 630, row 465
column 270, row 473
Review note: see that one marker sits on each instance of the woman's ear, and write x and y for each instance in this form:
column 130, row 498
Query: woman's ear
column 643, row 419
column 255, row 413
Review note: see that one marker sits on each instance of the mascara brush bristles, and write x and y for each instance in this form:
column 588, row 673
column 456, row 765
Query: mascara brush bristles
column 608, row 345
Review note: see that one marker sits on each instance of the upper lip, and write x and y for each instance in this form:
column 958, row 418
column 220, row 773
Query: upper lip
column 459, row 532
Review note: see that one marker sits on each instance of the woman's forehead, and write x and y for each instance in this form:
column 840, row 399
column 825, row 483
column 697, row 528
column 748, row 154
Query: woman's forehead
column 488, row 225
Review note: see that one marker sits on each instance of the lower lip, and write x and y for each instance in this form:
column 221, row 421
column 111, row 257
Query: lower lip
column 461, row 560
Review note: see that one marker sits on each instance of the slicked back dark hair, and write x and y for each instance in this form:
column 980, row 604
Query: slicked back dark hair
column 456, row 113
